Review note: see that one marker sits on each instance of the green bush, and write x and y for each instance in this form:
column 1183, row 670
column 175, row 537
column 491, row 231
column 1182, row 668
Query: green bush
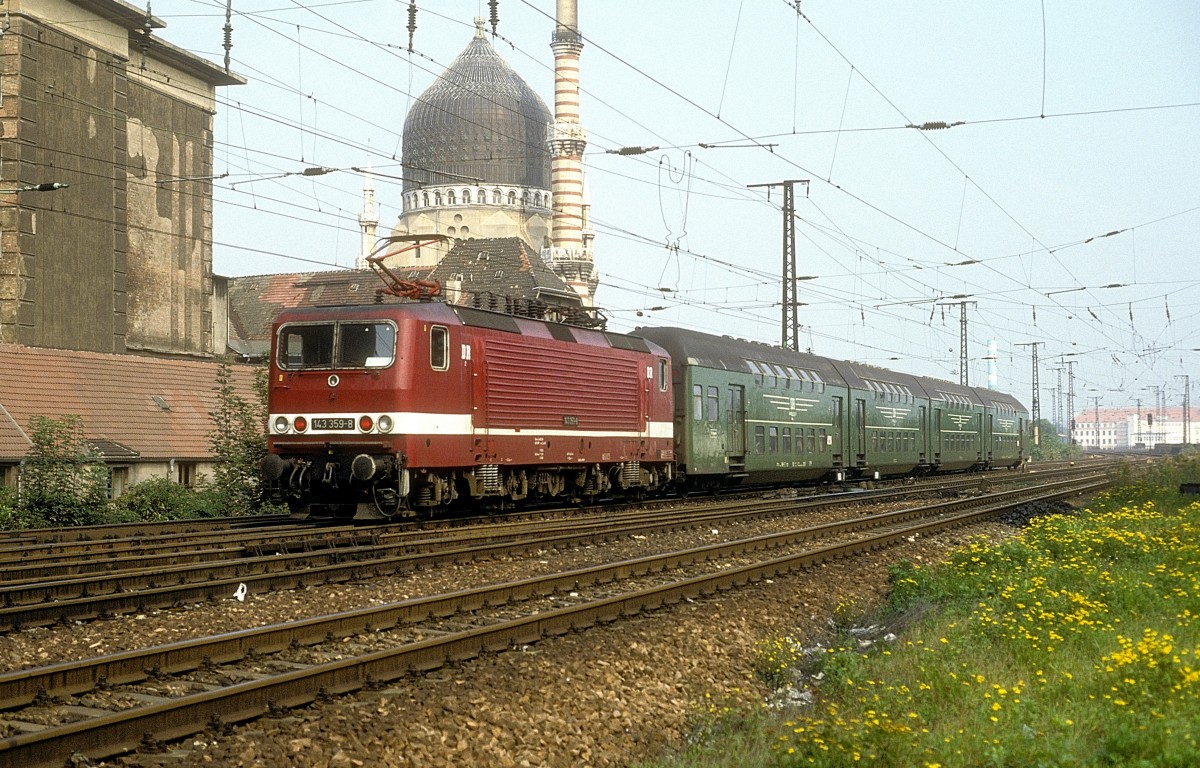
column 160, row 498
column 65, row 481
column 238, row 441
column 13, row 515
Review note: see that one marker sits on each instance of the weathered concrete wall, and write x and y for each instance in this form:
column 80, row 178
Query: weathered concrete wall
column 170, row 225
column 63, row 281
column 122, row 259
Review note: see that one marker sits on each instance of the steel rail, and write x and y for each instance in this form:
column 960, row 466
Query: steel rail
column 162, row 720
column 86, row 598
column 22, row 687
column 123, row 731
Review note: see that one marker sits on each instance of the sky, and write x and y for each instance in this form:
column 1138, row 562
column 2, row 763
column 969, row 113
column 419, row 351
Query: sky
column 1059, row 206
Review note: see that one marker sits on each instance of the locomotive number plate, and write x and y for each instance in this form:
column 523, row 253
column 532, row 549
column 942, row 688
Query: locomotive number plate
column 334, row 425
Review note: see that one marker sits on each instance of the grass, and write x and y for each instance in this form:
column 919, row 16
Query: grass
column 1074, row 644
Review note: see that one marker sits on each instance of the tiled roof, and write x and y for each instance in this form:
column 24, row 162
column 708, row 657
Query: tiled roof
column 154, row 407
column 505, row 266
column 255, row 301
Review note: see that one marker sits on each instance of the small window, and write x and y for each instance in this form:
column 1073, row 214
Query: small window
column 760, row 440
column 812, row 440
column 787, row 439
column 663, row 368
column 697, row 402
column 185, row 473
column 118, row 481
column 713, row 404
column 450, row 197
column 773, row 439
column 822, row 441
column 439, row 348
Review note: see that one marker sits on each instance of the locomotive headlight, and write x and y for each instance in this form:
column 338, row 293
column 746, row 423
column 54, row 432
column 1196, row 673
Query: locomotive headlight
column 300, row 424
column 365, row 423
column 281, row 425
column 385, row 423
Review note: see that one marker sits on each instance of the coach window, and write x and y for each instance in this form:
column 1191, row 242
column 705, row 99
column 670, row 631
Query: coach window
column 787, row 439
column 697, row 402
column 712, row 411
column 439, row 348
column 773, row 439
column 760, row 440
column 822, row 442
column 662, row 374
column 758, row 374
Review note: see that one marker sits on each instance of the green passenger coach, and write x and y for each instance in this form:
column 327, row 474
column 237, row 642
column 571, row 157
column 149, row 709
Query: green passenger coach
column 753, row 413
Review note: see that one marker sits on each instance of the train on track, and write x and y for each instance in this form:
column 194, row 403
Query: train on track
column 412, row 408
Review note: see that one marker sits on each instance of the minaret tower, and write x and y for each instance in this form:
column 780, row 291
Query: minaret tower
column 570, row 253
column 368, row 220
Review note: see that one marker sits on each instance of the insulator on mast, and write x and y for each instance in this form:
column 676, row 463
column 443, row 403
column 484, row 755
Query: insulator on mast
column 412, row 22
column 494, row 15
column 147, row 30
column 228, row 32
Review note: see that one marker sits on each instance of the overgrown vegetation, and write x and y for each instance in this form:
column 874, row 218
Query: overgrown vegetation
column 161, row 498
column 1051, row 445
column 1074, row 644
column 65, row 482
column 239, row 441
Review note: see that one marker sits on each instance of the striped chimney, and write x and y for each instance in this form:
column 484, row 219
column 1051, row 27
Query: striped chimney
column 570, row 254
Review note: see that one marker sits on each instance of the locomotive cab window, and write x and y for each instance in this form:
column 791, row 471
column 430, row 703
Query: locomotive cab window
column 366, row 345
column 305, row 346
column 336, row 345
column 663, row 368
column 439, row 348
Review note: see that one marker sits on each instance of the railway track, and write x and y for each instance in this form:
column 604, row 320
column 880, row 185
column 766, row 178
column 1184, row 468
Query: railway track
column 269, row 669
column 43, row 586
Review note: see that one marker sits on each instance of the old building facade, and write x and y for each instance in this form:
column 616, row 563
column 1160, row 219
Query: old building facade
column 119, row 258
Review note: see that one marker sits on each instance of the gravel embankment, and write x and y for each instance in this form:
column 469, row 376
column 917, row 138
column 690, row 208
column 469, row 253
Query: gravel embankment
column 603, row 697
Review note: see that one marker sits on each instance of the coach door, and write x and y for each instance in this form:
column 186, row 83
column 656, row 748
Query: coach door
column 926, row 435
column 860, row 431
column 935, row 433
column 735, row 428
column 839, row 433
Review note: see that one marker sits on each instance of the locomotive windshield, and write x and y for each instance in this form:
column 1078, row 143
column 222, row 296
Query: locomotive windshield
column 351, row 344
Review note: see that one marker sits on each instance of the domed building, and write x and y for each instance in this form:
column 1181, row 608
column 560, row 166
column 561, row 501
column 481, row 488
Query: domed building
column 476, row 158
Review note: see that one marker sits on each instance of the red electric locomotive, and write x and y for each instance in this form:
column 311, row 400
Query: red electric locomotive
column 393, row 409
